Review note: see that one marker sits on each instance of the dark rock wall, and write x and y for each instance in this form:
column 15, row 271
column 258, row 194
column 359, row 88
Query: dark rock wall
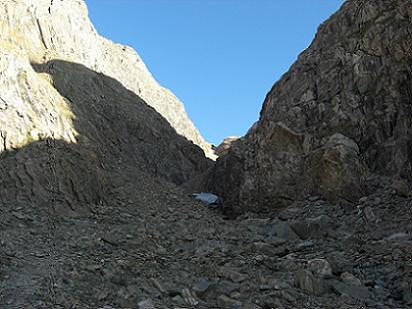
column 120, row 140
column 354, row 80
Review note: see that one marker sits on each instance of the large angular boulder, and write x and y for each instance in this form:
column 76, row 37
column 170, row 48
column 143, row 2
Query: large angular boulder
column 337, row 169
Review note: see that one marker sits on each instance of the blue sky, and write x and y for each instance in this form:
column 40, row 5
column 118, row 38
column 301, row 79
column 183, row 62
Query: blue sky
column 220, row 57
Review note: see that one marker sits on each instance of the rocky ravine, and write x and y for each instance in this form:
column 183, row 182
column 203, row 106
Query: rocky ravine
column 91, row 214
column 342, row 112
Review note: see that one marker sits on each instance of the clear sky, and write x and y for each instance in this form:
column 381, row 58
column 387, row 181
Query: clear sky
column 220, row 57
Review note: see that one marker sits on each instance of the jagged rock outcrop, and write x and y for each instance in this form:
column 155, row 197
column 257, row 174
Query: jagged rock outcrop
column 342, row 111
column 224, row 146
column 76, row 110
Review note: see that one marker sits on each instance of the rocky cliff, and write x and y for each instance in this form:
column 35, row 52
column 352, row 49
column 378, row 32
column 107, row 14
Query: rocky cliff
column 43, row 30
column 342, row 112
column 77, row 109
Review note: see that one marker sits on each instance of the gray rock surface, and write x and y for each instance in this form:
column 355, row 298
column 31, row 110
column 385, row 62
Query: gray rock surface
column 42, row 30
column 341, row 112
column 224, row 146
column 78, row 112
column 309, row 284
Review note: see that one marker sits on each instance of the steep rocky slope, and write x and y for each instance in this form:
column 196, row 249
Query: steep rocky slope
column 342, row 112
column 42, row 30
column 156, row 248
column 76, row 108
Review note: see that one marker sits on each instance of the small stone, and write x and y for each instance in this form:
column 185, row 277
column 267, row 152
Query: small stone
column 146, row 304
column 161, row 250
column 264, row 287
column 271, row 300
column 387, row 258
column 275, row 241
column 226, row 302
column 369, row 214
column 269, row 250
column 363, row 199
column 401, row 187
column 357, row 292
column 189, row 298
column 303, row 245
column 289, row 295
column 312, row 228
column 288, row 213
column 398, row 237
column 201, row 287
column 250, row 306
column 231, row 274
column 277, row 284
column 102, row 295
column 236, row 295
column 350, row 279
column 339, row 263
column 320, row 267
column 207, row 198
column 158, row 286
column 283, row 230
column 178, row 300
column 308, row 283
column 236, row 277
column 226, row 287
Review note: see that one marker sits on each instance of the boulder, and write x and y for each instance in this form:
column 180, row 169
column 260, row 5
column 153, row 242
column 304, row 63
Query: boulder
column 337, row 169
column 309, row 284
column 320, row 268
column 312, row 228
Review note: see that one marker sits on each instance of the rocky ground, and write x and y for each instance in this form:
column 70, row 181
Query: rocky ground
column 158, row 248
column 92, row 152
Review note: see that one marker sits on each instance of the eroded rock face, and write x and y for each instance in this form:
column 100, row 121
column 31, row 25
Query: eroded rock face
column 43, row 30
column 224, row 146
column 342, row 110
column 80, row 115
column 336, row 168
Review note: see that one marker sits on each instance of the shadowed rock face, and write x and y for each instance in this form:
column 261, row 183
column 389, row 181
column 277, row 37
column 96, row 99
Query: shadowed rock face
column 81, row 116
column 43, row 30
column 86, row 134
column 342, row 111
